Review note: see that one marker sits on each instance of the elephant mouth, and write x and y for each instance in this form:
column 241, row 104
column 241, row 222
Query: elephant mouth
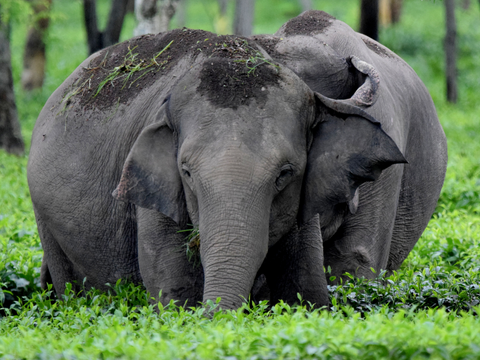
column 192, row 244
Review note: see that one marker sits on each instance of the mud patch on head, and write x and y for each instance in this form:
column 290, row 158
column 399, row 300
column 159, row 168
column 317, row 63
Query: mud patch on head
column 310, row 22
column 136, row 64
column 238, row 74
column 268, row 42
column 378, row 49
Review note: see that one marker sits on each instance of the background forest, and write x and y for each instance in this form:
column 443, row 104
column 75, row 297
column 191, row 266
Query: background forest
column 428, row 309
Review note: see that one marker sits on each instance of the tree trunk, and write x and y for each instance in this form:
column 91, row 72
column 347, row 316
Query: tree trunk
column 10, row 135
column 131, row 6
column 111, row 35
column 396, row 7
column 306, row 5
column 97, row 39
column 34, row 56
column 222, row 4
column 369, row 18
column 466, row 4
column 181, row 13
column 451, row 51
column 94, row 37
column 390, row 11
column 153, row 16
column 243, row 22
column 385, row 12
column 167, row 10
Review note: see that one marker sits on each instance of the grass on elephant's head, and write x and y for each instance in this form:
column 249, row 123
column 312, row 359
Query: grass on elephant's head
column 130, row 66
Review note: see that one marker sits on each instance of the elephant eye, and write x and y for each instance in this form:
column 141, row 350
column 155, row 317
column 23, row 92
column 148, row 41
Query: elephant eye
column 284, row 177
column 186, row 171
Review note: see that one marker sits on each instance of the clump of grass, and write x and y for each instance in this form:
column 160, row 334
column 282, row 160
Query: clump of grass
column 130, row 66
column 251, row 57
column 76, row 90
column 192, row 244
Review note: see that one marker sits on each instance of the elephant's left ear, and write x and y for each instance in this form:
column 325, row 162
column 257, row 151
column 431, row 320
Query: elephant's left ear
column 150, row 177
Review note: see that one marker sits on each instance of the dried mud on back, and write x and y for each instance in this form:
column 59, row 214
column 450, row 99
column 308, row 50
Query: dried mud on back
column 309, row 23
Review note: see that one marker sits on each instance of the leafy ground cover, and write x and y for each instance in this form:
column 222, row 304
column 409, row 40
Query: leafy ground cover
column 428, row 309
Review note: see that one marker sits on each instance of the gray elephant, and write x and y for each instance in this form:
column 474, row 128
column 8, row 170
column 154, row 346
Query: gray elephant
column 389, row 215
column 284, row 160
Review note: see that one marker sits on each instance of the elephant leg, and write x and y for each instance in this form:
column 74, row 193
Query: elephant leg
column 260, row 290
column 163, row 260
column 57, row 268
column 422, row 182
column 45, row 276
column 295, row 266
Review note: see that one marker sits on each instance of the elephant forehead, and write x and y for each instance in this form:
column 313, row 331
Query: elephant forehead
column 245, row 135
column 284, row 115
column 230, row 83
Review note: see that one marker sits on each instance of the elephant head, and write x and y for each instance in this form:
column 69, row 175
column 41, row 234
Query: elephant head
column 249, row 156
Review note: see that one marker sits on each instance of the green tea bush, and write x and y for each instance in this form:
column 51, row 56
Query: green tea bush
column 20, row 258
column 107, row 326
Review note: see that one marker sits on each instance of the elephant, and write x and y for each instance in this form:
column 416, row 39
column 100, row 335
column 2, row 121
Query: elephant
column 320, row 50
column 281, row 155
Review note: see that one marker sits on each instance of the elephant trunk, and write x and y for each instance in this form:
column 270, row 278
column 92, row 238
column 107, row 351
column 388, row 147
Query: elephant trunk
column 234, row 243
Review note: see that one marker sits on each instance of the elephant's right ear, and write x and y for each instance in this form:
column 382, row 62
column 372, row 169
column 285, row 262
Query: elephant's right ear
column 150, row 177
column 345, row 153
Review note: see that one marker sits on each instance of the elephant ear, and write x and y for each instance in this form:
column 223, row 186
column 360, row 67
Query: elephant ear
column 349, row 148
column 150, row 177
column 366, row 95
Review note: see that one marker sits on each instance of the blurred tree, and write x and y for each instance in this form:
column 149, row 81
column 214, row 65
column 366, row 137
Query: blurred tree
column 100, row 39
column 34, row 55
column 243, row 21
column 221, row 24
column 466, row 4
column 131, row 6
column 451, row 51
column 153, row 16
column 396, row 9
column 10, row 135
column 222, row 4
column 181, row 13
column 390, row 11
column 369, row 18
column 306, row 5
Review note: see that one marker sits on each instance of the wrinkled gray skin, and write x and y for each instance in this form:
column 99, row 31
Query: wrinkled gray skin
column 264, row 181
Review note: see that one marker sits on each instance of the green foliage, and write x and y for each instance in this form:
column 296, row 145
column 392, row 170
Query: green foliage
column 20, row 255
column 427, row 309
column 108, row 326
column 17, row 11
column 255, row 57
column 192, row 244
